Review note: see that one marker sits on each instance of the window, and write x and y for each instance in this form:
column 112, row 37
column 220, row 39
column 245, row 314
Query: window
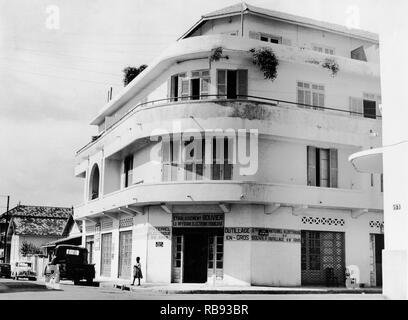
column 359, row 54
column 368, row 106
column 232, row 84
column 323, row 49
column 94, row 183
column 196, row 87
column 310, row 94
column 322, row 167
column 265, row 37
column 170, row 150
column 221, row 150
column 193, row 166
column 128, row 170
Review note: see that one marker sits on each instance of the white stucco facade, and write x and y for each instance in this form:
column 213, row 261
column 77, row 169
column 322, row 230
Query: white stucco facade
column 253, row 229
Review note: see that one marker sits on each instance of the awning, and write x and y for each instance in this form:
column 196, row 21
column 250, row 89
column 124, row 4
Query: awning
column 368, row 161
column 61, row 241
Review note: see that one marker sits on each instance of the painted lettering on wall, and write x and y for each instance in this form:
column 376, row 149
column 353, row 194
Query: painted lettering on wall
column 159, row 233
column 261, row 234
column 200, row 220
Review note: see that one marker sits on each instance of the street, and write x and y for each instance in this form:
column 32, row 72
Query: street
column 29, row 290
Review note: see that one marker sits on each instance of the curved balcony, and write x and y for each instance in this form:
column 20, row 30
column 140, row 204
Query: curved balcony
column 201, row 46
column 207, row 192
column 270, row 117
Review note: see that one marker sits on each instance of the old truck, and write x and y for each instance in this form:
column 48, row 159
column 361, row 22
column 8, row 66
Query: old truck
column 70, row 262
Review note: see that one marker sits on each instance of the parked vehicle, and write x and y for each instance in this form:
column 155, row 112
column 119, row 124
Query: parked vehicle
column 23, row 269
column 5, row 270
column 70, row 263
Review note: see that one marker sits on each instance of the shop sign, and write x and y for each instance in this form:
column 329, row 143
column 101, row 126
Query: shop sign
column 261, row 234
column 160, row 233
column 234, row 234
column 198, row 220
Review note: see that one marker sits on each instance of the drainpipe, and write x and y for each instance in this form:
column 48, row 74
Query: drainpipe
column 242, row 20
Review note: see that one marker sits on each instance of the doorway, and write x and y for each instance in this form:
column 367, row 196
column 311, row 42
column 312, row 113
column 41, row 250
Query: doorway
column 195, row 257
column 231, row 84
column 377, row 246
column 195, row 89
column 106, row 254
column 197, row 254
column 125, row 254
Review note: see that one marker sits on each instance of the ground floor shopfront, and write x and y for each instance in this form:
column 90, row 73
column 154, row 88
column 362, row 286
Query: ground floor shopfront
column 237, row 244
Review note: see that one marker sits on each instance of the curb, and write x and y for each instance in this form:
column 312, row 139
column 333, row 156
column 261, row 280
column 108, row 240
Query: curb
column 125, row 287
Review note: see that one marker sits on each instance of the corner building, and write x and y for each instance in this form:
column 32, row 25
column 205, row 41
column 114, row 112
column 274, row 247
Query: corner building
column 296, row 213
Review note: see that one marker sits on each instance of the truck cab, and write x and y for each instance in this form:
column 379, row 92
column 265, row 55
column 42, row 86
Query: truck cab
column 70, row 262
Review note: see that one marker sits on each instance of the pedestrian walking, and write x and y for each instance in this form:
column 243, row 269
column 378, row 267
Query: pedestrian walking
column 137, row 272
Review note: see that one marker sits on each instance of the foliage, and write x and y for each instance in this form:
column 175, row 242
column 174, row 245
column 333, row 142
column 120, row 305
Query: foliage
column 131, row 72
column 266, row 60
column 332, row 65
column 216, row 54
column 29, row 248
column 249, row 111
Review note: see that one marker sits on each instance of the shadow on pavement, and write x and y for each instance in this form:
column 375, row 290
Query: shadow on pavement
column 21, row 286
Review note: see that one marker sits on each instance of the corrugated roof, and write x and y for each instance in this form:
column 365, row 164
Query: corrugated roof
column 247, row 8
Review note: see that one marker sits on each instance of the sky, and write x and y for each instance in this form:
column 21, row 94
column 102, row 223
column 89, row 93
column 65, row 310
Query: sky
column 55, row 75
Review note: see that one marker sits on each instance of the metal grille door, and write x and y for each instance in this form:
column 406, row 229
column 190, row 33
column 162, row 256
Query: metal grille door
column 106, row 255
column 322, row 258
column 125, row 254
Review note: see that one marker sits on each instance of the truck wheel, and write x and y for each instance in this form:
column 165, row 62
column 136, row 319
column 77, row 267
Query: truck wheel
column 15, row 277
column 89, row 281
column 76, row 282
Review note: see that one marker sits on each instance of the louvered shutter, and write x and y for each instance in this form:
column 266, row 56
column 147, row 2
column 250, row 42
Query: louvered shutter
column 311, row 166
column 242, row 83
column 356, row 106
column 222, row 83
column 286, row 42
column 254, row 35
column 333, row 168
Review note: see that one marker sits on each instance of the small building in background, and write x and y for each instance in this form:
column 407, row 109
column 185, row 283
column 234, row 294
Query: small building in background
column 31, row 227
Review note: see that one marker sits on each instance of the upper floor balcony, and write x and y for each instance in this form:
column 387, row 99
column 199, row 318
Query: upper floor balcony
column 281, row 119
column 295, row 63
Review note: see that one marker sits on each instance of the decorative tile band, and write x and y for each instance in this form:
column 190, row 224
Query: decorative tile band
column 376, row 224
column 126, row 222
column 323, row 221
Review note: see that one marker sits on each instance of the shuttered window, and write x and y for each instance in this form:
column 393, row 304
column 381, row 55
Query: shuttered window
column 322, row 167
column 128, row 170
column 310, row 94
column 237, row 88
column 323, row 49
column 242, row 76
column 356, row 106
column 184, row 89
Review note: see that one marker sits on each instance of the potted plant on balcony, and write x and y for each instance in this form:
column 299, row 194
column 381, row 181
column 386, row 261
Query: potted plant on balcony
column 332, row 65
column 267, row 62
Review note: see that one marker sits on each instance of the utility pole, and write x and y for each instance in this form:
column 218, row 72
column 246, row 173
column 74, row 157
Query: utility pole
column 5, row 231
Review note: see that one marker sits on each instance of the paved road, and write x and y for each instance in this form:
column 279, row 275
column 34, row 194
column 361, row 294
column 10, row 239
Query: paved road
column 24, row 289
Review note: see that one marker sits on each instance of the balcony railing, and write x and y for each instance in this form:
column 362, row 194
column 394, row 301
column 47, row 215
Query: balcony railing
column 215, row 97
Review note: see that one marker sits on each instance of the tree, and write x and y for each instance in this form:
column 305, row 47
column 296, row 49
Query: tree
column 131, row 72
column 29, row 248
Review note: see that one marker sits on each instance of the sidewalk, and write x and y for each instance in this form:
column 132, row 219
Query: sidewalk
column 186, row 288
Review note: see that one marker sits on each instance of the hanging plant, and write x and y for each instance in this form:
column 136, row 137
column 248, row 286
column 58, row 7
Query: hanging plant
column 332, row 65
column 216, row 54
column 267, row 62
